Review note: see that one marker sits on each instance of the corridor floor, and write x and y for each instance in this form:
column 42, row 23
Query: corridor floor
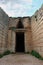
column 20, row 59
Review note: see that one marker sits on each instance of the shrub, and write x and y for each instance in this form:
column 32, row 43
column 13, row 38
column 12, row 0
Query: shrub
column 36, row 54
column 7, row 52
column 1, row 55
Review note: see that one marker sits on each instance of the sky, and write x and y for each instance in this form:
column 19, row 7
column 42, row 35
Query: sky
column 20, row 8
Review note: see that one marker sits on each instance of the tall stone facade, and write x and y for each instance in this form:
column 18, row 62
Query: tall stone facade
column 27, row 32
column 37, row 30
column 32, row 30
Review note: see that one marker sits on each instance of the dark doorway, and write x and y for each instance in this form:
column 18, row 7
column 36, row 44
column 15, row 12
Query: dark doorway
column 20, row 42
column 20, row 47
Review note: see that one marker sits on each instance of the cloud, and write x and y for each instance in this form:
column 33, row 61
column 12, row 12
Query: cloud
column 16, row 8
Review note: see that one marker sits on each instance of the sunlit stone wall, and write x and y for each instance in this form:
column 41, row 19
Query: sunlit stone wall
column 27, row 33
column 37, row 30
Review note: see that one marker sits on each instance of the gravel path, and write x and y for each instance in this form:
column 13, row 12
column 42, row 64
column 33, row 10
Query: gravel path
column 20, row 59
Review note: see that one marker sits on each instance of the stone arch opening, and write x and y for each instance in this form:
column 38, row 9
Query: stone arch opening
column 20, row 24
column 20, row 47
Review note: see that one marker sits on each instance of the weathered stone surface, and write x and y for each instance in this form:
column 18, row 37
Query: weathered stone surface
column 3, row 30
column 37, row 30
column 32, row 28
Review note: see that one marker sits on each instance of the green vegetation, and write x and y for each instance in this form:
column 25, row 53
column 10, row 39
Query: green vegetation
column 33, row 52
column 1, row 55
column 36, row 54
column 6, row 53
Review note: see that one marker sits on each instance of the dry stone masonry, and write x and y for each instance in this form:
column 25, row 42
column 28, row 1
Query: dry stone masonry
column 37, row 30
column 3, row 30
column 30, row 27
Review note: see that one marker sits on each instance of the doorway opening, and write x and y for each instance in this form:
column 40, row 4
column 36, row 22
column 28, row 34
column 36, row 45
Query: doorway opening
column 20, row 47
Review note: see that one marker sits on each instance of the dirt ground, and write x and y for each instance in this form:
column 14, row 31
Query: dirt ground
column 20, row 59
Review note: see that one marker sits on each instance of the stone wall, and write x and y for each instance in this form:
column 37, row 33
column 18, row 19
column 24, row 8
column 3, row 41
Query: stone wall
column 27, row 33
column 37, row 30
column 3, row 30
column 33, row 31
column 13, row 22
